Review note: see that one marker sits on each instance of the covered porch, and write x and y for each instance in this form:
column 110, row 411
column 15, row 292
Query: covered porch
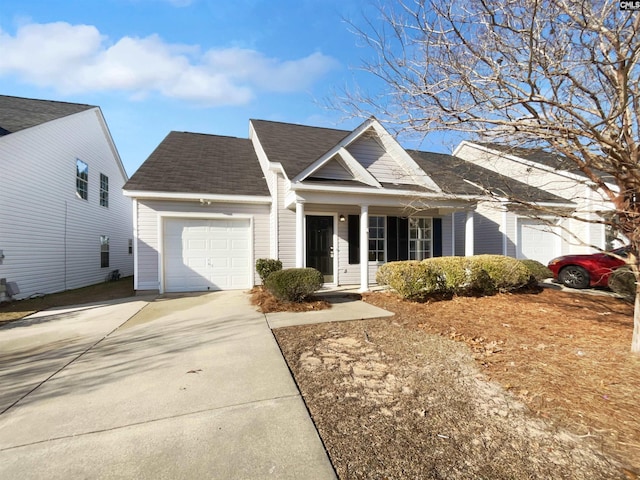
column 347, row 237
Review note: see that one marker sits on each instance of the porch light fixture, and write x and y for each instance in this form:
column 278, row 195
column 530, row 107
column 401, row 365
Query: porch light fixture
column 342, row 219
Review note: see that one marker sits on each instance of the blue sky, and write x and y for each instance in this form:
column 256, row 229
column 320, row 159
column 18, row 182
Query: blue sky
column 205, row 66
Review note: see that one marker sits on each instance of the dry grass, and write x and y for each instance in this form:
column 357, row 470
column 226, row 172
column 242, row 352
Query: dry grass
column 17, row 309
column 534, row 386
column 267, row 303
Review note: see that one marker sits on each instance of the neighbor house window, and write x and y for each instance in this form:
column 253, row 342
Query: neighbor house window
column 420, row 238
column 104, row 190
column 376, row 239
column 82, row 179
column 104, row 251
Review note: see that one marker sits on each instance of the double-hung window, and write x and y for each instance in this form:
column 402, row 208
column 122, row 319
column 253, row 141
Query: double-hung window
column 104, row 251
column 82, row 179
column 376, row 239
column 420, row 238
column 104, row 190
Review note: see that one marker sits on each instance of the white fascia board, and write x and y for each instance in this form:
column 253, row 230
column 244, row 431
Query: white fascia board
column 112, row 144
column 331, row 153
column 197, row 197
column 410, row 164
column 379, row 191
column 374, row 199
column 297, row 190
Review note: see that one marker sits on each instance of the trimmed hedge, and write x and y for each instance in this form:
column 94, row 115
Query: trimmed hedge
column 537, row 270
column 466, row 276
column 294, row 284
column 266, row 266
column 623, row 282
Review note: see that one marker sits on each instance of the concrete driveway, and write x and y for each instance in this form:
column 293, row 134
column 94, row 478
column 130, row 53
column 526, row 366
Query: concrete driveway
column 187, row 387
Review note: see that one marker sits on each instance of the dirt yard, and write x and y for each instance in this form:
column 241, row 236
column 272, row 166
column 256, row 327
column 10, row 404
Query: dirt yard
column 506, row 387
column 95, row 293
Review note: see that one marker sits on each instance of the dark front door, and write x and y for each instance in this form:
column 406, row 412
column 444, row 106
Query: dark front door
column 320, row 245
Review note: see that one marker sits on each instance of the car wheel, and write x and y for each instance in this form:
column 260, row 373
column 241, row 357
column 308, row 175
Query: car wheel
column 574, row 276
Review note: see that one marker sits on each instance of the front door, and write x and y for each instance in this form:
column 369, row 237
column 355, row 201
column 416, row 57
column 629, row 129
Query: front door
column 320, row 245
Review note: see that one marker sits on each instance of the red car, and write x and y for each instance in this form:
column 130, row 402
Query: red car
column 583, row 271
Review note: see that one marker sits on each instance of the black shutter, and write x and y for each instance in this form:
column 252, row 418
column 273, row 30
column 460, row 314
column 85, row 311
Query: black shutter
column 354, row 239
column 437, row 237
column 392, row 239
column 403, row 238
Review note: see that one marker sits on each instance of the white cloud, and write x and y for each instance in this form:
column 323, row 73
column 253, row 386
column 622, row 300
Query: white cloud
column 78, row 58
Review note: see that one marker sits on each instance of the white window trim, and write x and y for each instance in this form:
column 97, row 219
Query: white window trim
column 384, row 239
column 430, row 221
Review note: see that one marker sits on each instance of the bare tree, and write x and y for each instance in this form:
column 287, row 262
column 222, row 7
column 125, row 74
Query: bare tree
column 560, row 75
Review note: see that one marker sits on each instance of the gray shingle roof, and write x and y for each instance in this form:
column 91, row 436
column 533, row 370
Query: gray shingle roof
column 18, row 113
column 450, row 173
column 295, row 146
column 198, row 163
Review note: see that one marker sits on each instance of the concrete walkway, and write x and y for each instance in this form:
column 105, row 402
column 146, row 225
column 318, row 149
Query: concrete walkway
column 186, row 387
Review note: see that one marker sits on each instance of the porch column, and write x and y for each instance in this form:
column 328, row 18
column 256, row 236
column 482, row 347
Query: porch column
column 364, row 248
column 299, row 234
column 468, row 234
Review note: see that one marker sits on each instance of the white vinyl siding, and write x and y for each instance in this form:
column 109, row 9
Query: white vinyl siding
column 447, row 240
column 459, row 226
column 149, row 213
column 586, row 201
column 378, row 161
column 487, row 225
column 50, row 239
column 334, row 169
column 286, row 229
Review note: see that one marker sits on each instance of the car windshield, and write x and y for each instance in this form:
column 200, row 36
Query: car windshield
column 621, row 252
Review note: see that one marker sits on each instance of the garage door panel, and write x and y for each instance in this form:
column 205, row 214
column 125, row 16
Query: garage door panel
column 536, row 240
column 197, row 244
column 206, row 254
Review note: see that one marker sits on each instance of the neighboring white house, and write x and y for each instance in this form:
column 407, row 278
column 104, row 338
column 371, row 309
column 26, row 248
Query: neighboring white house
column 64, row 222
column 344, row 202
column 505, row 226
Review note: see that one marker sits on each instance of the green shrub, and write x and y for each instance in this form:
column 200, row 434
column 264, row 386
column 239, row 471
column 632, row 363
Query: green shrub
column 537, row 270
column 294, row 284
column 506, row 273
column 623, row 282
column 266, row 266
column 477, row 275
column 461, row 276
column 411, row 279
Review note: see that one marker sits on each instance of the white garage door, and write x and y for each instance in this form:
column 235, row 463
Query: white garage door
column 203, row 254
column 536, row 240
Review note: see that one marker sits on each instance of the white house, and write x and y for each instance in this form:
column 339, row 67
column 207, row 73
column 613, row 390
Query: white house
column 344, row 202
column 64, row 222
column 506, row 226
